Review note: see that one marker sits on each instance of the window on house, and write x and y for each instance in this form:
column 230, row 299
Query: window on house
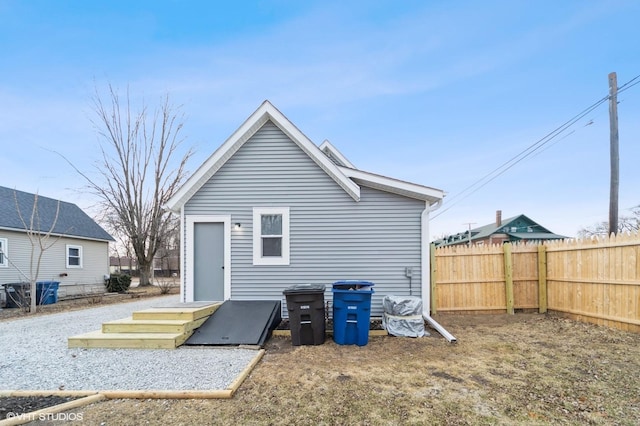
column 4, row 262
column 271, row 236
column 74, row 256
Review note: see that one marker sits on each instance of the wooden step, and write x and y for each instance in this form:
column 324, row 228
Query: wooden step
column 98, row 339
column 130, row 325
column 155, row 328
column 188, row 312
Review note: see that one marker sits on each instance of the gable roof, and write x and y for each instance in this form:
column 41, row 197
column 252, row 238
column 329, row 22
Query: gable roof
column 336, row 156
column 493, row 228
column 377, row 181
column 71, row 221
column 327, row 157
column 533, row 231
column 395, row 186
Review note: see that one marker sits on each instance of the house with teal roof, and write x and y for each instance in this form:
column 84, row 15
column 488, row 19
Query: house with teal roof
column 514, row 229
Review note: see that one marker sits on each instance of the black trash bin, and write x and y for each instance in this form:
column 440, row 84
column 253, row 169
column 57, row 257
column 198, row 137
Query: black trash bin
column 18, row 295
column 305, row 304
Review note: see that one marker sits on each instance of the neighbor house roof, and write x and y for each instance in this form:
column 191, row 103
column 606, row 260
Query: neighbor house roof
column 327, row 157
column 529, row 231
column 16, row 208
column 492, row 228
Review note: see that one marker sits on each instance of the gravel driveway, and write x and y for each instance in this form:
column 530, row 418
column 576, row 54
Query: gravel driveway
column 34, row 356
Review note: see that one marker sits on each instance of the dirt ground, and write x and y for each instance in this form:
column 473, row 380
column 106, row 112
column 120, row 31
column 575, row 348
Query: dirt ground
column 520, row 369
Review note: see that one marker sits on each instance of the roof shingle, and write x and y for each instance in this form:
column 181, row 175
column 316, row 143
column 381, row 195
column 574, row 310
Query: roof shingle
column 72, row 221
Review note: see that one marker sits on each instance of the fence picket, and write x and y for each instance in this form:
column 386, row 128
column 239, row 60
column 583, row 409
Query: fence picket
column 593, row 279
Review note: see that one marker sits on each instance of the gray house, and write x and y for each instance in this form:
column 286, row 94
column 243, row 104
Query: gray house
column 270, row 209
column 79, row 257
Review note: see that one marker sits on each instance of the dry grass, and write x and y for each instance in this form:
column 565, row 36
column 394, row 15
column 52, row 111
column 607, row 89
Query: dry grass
column 522, row 369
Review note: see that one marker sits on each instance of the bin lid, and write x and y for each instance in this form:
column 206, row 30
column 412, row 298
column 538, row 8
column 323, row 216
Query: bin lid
column 22, row 284
column 304, row 288
column 352, row 284
column 52, row 284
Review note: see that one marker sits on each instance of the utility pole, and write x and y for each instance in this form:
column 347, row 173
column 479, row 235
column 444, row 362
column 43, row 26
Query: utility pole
column 469, row 223
column 615, row 156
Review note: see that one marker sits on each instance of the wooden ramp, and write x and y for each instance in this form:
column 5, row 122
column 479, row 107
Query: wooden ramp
column 155, row 328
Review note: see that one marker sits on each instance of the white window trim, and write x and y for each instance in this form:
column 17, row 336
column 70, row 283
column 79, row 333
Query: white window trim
column 258, row 259
column 4, row 244
column 73, row 246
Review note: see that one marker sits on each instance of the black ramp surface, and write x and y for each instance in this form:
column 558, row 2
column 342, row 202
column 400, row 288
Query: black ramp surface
column 239, row 322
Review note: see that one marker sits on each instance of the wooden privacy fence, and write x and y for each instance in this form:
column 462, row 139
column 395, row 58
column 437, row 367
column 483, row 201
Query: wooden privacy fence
column 594, row 280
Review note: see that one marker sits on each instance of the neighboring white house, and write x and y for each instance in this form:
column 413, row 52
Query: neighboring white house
column 78, row 260
column 270, row 209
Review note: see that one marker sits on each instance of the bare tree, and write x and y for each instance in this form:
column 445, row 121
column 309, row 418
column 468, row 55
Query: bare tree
column 40, row 241
column 629, row 223
column 168, row 252
column 140, row 169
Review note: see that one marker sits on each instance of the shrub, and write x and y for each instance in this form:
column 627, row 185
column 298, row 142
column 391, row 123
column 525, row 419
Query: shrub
column 166, row 284
column 118, row 283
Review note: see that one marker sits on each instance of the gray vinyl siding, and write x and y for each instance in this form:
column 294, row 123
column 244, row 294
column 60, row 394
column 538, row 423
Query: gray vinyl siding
column 332, row 237
column 95, row 263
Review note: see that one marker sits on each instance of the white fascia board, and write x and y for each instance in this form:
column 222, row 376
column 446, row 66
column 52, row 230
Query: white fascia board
column 314, row 152
column 218, row 158
column 328, row 146
column 251, row 125
column 407, row 189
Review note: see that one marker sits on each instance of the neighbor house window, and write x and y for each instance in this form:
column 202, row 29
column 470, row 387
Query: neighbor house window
column 271, row 236
column 4, row 262
column 74, row 256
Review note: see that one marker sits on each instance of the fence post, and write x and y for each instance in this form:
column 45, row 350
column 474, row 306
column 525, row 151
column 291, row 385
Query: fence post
column 542, row 278
column 432, row 277
column 508, row 277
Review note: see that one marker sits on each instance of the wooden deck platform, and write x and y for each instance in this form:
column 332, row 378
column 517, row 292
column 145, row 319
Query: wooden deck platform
column 155, row 328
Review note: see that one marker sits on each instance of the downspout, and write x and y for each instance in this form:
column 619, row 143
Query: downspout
column 426, row 272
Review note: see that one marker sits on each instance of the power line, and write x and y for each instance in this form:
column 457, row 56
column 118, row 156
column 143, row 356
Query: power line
column 624, row 86
column 531, row 149
column 489, row 177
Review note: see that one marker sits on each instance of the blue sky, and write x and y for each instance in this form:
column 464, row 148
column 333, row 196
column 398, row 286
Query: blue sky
column 437, row 93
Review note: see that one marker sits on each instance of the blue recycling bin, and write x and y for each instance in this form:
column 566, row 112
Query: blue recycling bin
column 47, row 292
column 18, row 295
column 351, row 311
